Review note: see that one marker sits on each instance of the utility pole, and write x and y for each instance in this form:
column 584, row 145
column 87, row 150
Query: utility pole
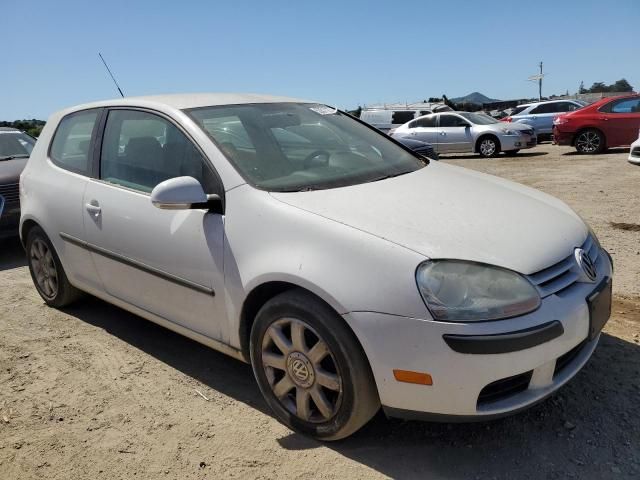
column 539, row 78
column 540, row 83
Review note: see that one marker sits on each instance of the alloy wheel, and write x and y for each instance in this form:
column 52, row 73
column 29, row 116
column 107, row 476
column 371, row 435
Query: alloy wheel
column 44, row 268
column 301, row 370
column 487, row 147
column 588, row 142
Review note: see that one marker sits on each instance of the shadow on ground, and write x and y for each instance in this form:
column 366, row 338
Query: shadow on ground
column 501, row 156
column 607, row 151
column 11, row 254
column 590, row 429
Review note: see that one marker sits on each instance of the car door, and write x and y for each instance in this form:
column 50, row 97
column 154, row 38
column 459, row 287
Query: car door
column 167, row 262
column 542, row 118
column 620, row 121
column 70, row 161
column 454, row 134
column 424, row 129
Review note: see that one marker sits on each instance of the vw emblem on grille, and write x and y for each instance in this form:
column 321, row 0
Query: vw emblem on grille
column 586, row 264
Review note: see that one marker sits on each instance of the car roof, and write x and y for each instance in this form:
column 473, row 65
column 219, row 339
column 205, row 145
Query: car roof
column 191, row 100
column 10, row 129
column 546, row 101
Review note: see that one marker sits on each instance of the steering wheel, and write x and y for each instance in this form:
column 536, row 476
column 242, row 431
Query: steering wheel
column 307, row 162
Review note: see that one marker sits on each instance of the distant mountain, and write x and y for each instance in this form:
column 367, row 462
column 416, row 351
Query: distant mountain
column 475, row 97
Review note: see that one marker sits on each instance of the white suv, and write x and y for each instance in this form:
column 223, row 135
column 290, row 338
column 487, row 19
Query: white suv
column 350, row 272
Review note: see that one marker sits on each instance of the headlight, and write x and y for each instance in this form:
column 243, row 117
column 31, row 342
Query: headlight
column 560, row 121
column 511, row 132
column 455, row 290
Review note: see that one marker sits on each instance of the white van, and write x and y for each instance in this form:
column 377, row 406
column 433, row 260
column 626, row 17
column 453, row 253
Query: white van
column 388, row 119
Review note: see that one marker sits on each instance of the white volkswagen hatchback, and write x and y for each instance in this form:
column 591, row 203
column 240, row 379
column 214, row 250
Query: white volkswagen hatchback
column 350, row 272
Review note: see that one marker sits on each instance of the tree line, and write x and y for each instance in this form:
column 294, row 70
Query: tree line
column 33, row 127
column 600, row 87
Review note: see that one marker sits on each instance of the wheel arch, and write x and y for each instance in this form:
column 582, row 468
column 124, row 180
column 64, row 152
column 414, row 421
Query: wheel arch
column 476, row 148
column 588, row 127
column 260, row 295
column 25, row 228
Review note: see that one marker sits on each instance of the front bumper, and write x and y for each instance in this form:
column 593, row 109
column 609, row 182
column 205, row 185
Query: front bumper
column 634, row 155
column 477, row 386
column 517, row 142
column 9, row 221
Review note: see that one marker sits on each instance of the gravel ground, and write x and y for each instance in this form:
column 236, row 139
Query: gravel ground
column 95, row 392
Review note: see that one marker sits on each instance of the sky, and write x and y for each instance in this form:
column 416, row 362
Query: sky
column 344, row 53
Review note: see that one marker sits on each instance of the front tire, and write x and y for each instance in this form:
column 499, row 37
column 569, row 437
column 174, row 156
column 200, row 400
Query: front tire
column 46, row 271
column 488, row 147
column 590, row 141
column 310, row 368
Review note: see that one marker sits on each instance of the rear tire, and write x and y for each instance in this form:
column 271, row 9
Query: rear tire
column 590, row 141
column 46, row 271
column 488, row 146
column 310, row 368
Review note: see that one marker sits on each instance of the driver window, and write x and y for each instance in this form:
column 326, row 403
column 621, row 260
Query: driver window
column 140, row 150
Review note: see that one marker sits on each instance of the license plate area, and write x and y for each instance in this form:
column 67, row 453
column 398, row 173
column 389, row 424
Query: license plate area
column 599, row 302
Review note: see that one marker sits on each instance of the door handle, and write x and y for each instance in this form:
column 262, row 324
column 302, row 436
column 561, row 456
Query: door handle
column 604, row 118
column 93, row 208
column 443, row 133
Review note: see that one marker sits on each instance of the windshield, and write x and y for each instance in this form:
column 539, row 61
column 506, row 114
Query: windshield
column 295, row 146
column 517, row 110
column 478, row 118
column 14, row 144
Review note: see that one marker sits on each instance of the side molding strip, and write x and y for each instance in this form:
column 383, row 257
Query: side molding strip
column 135, row 264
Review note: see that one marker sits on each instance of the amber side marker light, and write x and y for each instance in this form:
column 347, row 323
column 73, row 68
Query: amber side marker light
column 408, row 376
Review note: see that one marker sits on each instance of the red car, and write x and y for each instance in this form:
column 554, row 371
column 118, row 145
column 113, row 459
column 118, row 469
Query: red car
column 610, row 122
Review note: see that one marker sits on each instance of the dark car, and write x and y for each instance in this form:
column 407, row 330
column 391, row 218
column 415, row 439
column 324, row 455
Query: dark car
column 15, row 148
column 423, row 148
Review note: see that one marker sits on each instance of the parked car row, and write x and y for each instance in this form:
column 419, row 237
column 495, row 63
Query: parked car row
column 351, row 273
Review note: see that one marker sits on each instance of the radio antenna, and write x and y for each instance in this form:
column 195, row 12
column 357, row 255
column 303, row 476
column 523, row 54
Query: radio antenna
column 111, row 74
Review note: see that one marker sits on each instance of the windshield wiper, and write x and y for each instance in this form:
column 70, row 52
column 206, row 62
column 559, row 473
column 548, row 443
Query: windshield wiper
column 11, row 157
column 389, row 175
column 301, row 189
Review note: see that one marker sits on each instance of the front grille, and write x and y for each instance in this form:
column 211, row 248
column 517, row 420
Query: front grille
column 11, row 194
column 505, row 387
column 557, row 277
column 567, row 358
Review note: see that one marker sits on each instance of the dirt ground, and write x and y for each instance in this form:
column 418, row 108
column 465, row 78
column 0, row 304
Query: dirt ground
column 95, row 392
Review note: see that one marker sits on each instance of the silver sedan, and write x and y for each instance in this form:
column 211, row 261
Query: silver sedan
column 462, row 132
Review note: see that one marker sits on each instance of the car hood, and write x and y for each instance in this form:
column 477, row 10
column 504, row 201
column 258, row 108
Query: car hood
column 443, row 211
column 10, row 170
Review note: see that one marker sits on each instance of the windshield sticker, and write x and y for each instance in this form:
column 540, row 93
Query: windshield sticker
column 323, row 109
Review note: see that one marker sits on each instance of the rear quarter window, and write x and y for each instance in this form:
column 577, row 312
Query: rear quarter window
column 72, row 140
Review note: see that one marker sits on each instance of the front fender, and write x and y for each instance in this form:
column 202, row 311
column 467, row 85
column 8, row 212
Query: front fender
column 267, row 240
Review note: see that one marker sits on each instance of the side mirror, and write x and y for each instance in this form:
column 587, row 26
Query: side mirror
column 183, row 193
